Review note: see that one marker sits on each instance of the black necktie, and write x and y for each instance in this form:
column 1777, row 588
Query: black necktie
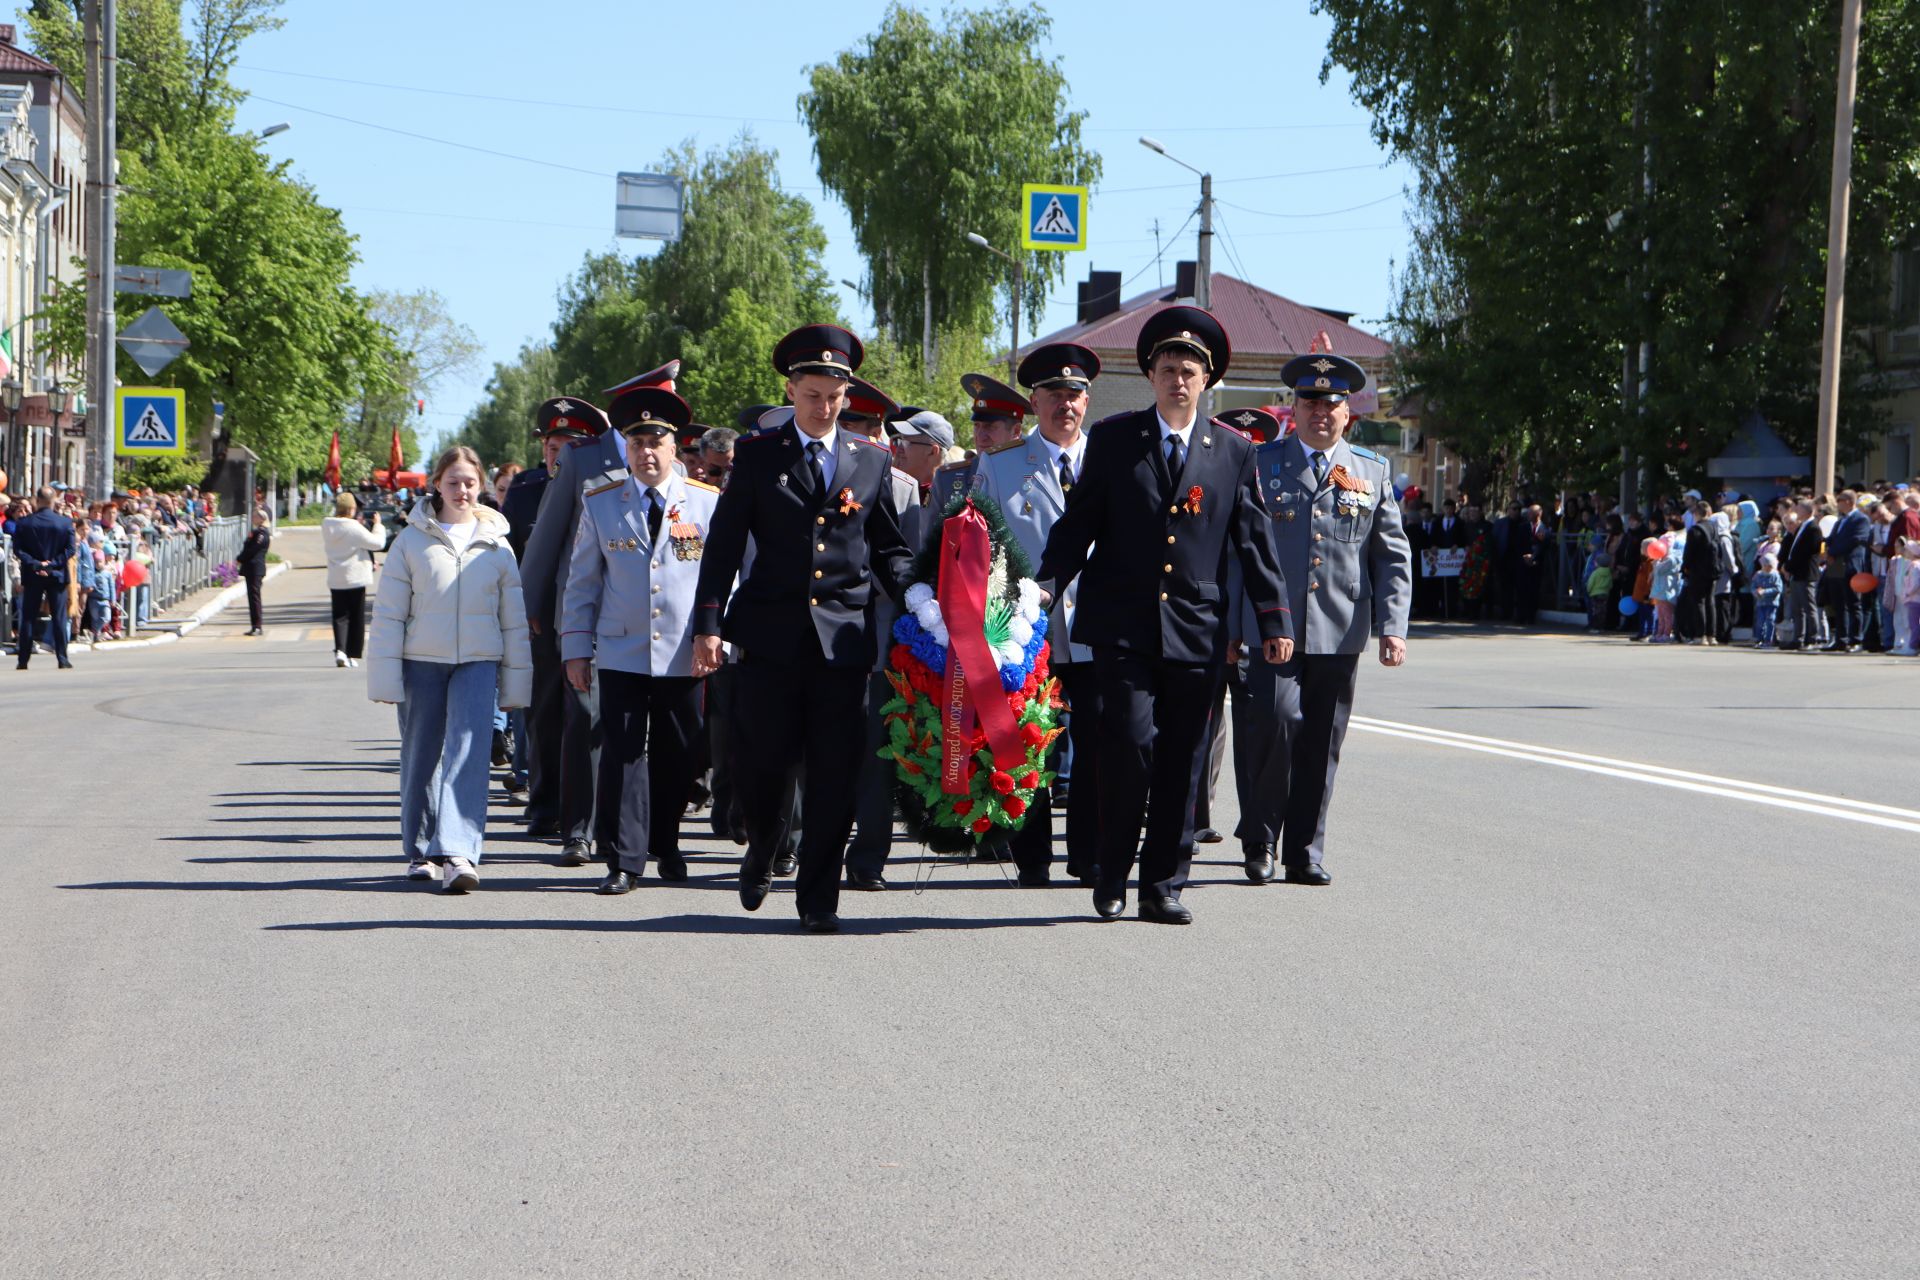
column 814, row 450
column 1319, row 467
column 653, row 514
column 1175, row 455
column 1066, row 474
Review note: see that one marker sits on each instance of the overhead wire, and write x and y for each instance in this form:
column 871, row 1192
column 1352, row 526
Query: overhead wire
column 1327, row 213
column 445, row 142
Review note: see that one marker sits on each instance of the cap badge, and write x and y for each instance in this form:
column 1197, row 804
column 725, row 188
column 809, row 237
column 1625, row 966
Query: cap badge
column 646, row 415
column 1185, row 334
column 1246, row 419
column 827, row 356
column 562, row 422
column 565, row 406
column 1323, row 364
column 1067, row 372
column 1322, row 382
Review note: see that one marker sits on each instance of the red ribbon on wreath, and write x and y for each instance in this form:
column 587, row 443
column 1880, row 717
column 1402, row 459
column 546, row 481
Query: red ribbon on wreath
column 966, row 555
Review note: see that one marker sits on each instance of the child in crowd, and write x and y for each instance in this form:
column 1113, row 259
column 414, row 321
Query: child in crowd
column 1666, row 590
column 1643, row 590
column 1767, row 587
column 1599, row 587
column 1908, row 569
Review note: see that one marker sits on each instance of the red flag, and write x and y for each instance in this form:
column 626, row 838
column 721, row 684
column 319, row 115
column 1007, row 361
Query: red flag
column 333, row 462
column 395, row 462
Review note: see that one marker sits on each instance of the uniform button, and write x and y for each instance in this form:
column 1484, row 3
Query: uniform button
column 819, row 546
column 813, row 600
column 1173, row 511
column 1169, row 539
column 656, row 564
column 819, row 573
column 1313, row 586
column 1319, row 537
column 1163, row 595
column 1316, row 562
column 819, row 519
column 1166, row 568
column 656, row 588
column 656, row 613
column 656, row 635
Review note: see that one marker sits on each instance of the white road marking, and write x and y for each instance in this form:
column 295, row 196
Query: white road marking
column 1878, row 815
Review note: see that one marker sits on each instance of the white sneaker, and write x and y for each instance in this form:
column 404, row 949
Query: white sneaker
column 339, row 658
column 459, row 876
column 353, row 662
column 421, row 869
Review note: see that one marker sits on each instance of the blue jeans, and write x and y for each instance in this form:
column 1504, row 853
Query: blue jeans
column 1763, row 612
column 446, row 742
column 517, row 767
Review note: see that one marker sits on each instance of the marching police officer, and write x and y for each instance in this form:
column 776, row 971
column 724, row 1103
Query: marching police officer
column 629, row 614
column 1348, row 571
column 589, row 462
column 1163, row 500
column 817, row 502
column 1030, row 478
column 558, row 423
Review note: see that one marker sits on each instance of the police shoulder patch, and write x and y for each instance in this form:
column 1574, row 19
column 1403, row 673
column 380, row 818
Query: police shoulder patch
column 1011, row 444
column 1365, row 453
column 962, row 465
column 702, row 484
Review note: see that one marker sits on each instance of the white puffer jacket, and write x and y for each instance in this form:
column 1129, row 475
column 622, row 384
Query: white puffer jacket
column 347, row 543
column 436, row 605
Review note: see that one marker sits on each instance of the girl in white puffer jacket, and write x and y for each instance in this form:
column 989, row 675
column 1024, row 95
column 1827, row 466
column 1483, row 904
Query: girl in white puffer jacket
column 449, row 638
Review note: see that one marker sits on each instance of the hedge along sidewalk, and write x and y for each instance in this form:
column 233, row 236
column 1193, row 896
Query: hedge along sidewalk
column 223, row 599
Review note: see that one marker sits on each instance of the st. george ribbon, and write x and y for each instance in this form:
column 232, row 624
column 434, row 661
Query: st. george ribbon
column 965, row 558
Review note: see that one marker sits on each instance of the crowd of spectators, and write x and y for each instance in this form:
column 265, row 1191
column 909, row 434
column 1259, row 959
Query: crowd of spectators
column 1798, row 571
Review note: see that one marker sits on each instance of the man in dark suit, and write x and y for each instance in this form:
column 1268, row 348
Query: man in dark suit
column 1699, row 569
column 1847, row 551
column 43, row 541
column 818, row 504
column 1802, row 568
column 1163, row 498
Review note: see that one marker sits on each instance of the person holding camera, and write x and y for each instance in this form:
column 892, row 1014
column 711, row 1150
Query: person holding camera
column 350, row 545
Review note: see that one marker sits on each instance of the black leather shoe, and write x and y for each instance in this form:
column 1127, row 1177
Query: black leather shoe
column 1207, row 835
column 866, row 882
column 820, row 922
column 673, row 868
column 1035, row 880
column 1259, row 860
column 539, row 827
column 578, row 853
column 617, row 883
column 785, row 864
column 755, row 883
column 1308, row 875
column 1109, row 908
column 1164, row 911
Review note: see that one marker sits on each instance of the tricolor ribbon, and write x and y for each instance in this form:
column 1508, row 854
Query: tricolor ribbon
column 966, row 555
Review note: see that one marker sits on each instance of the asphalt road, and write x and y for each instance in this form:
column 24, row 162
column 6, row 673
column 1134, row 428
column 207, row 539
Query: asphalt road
column 1555, row 1017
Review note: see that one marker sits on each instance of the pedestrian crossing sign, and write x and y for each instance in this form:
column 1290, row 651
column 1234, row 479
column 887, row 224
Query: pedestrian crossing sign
column 150, row 421
column 1053, row 217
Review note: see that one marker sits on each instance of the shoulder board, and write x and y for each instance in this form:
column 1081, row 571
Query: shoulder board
column 871, row 444
column 962, row 465
column 605, row 481
column 593, row 489
column 537, row 475
column 583, row 442
column 702, row 484
column 1115, row 417
column 1365, row 453
column 1011, row 444
column 757, row 435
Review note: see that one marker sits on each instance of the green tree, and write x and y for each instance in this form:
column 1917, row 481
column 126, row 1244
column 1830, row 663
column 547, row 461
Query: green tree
column 424, row 345
column 500, row 427
column 728, row 365
column 899, row 371
column 927, row 133
column 1598, row 174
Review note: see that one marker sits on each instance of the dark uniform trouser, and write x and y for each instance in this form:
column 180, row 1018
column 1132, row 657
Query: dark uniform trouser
column 724, row 721
column 255, row 606
column 1033, row 843
column 812, row 717
column 650, row 725
column 873, row 807
column 1154, row 720
column 579, row 758
column 545, row 723
column 1296, row 720
column 33, row 589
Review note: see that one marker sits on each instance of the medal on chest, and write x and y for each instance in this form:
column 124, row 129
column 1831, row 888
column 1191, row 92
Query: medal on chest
column 1352, row 495
column 685, row 536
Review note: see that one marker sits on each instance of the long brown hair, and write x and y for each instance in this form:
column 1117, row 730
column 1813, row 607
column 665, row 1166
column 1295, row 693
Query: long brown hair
column 452, row 454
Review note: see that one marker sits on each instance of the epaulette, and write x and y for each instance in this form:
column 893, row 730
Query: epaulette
column 1011, row 444
column 1366, row 453
column 702, row 484
column 534, row 475
column 759, row 435
column 870, row 443
column 1114, row 417
column 961, row 465
column 607, row 480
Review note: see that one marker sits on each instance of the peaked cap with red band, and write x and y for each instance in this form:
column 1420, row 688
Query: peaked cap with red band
column 993, row 399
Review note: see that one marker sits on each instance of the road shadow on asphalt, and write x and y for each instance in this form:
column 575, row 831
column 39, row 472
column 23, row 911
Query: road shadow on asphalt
column 738, row 924
column 392, row 882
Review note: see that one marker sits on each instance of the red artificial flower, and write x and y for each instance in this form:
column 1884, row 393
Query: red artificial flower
column 962, row 808
column 1014, row 806
column 979, row 742
column 973, row 767
column 1030, row 779
column 982, row 825
column 1033, row 733
column 1019, row 704
column 1193, row 500
column 913, row 767
column 1001, row 782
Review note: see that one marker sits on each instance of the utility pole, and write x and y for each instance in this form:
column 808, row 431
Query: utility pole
column 1827, row 440
column 1019, row 285
column 102, row 46
column 1203, row 265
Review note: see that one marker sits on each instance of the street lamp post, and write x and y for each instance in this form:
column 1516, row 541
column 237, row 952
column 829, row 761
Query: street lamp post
column 58, row 401
column 1019, row 288
column 1203, row 267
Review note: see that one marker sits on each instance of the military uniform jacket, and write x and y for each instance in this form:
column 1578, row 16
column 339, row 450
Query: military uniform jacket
column 1348, row 566
column 1152, row 557
column 816, row 554
column 521, row 506
column 584, row 464
column 629, row 601
column 44, row 540
column 1022, row 480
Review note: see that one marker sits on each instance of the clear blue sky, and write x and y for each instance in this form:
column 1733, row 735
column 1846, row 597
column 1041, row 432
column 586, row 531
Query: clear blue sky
column 1232, row 87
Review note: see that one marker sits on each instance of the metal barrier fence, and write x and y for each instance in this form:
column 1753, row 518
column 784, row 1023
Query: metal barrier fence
column 184, row 564
column 6, row 589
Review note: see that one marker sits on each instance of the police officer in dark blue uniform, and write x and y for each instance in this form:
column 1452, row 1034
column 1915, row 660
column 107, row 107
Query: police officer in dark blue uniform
column 1164, row 500
column 817, row 502
column 43, row 541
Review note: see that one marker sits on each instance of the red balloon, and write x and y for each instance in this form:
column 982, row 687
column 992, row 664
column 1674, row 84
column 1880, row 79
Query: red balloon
column 1658, row 551
column 133, row 574
column 1863, row 583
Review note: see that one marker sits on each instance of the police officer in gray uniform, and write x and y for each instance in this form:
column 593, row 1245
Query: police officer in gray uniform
column 585, row 464
column 629, row 615
column 1348, row 571
column 1029, row 479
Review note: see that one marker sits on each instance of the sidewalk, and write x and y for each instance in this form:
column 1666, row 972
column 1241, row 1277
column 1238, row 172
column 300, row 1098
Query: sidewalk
column 294, row 547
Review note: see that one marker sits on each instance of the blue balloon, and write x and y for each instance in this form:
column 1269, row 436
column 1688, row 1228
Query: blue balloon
column 1628, row 606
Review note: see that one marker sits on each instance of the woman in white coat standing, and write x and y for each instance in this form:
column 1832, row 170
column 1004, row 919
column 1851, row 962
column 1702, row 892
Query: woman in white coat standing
column 350, row 546
column 449, row 636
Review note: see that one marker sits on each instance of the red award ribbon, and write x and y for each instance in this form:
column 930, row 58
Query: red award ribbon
column 965, row 558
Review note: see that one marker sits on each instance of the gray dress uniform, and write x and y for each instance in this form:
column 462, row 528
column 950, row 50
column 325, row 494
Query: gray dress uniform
column 1022, row 479
column 1349, row 571
column 629, row 607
